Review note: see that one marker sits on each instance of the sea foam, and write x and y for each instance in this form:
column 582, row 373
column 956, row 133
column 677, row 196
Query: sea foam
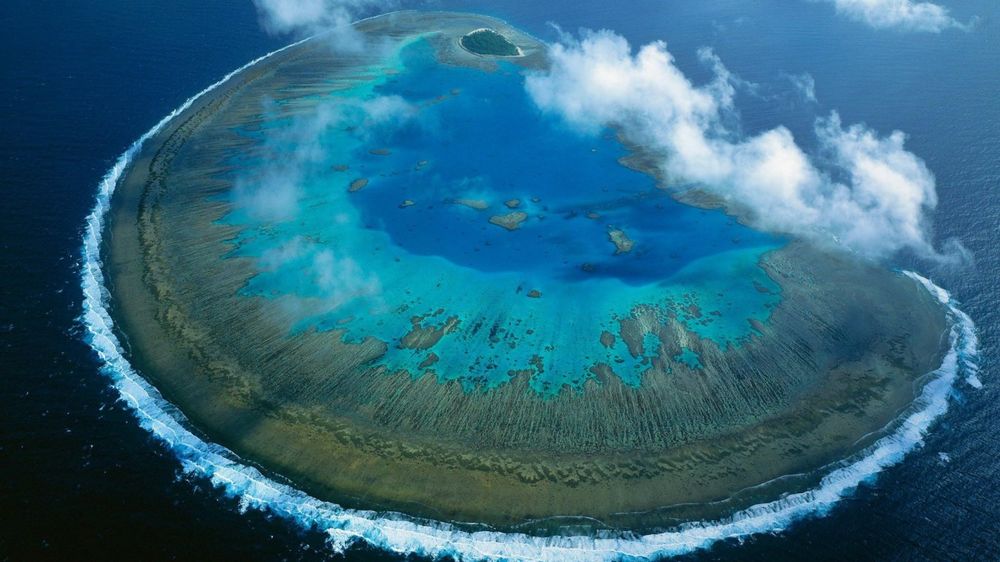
column 396, row 532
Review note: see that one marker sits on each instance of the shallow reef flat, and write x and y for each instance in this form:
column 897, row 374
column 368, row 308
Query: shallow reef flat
column 616, row 355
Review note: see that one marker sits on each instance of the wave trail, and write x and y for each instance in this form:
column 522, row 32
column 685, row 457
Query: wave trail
column 396, row 532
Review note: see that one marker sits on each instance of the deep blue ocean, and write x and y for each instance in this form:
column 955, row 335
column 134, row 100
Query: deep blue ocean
column 79, row 479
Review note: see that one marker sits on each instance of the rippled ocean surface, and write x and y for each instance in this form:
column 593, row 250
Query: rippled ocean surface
column 78, row 83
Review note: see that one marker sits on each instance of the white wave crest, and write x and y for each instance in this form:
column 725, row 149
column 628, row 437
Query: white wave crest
column 396, row 532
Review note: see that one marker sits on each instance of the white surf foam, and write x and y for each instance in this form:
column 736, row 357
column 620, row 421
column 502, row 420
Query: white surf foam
column 399, row 534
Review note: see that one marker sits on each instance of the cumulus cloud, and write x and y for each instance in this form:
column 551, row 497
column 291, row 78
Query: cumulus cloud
column 272, row 190
column 904, row 15
column 271, row 193
column 338, row 279
column 805, row 84
column 382, row 111
column 861, row 190
column 310, row 17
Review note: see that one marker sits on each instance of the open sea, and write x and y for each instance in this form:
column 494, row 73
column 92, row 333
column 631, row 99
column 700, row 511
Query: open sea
column 79, row 82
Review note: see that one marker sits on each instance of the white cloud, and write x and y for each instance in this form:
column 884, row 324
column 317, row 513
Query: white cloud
column 382, row 111
column 273, row 196
column 863, row 191
column 341, row 279
column 338, row 280
column 805, row 85
column 271, row 192
column 904, row 15
column 310, row 17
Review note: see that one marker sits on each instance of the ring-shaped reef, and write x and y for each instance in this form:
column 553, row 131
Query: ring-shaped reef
column 386, row 276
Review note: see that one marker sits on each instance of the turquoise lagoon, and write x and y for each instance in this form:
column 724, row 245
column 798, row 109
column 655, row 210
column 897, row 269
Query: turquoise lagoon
column 444, row 149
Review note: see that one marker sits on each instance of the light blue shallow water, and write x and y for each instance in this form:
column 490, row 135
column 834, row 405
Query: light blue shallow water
column 536, row 298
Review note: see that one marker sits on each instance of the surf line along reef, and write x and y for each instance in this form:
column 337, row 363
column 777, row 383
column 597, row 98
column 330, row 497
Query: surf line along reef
column 390, row 280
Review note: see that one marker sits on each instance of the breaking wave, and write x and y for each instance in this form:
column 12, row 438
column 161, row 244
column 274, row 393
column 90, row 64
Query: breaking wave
column 396, row 532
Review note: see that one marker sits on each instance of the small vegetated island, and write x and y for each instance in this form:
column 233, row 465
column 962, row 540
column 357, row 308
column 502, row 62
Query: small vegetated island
column 537, row 337
column 486, row 41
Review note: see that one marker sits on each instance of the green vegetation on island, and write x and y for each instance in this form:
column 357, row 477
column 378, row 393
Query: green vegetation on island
column 486, row 41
